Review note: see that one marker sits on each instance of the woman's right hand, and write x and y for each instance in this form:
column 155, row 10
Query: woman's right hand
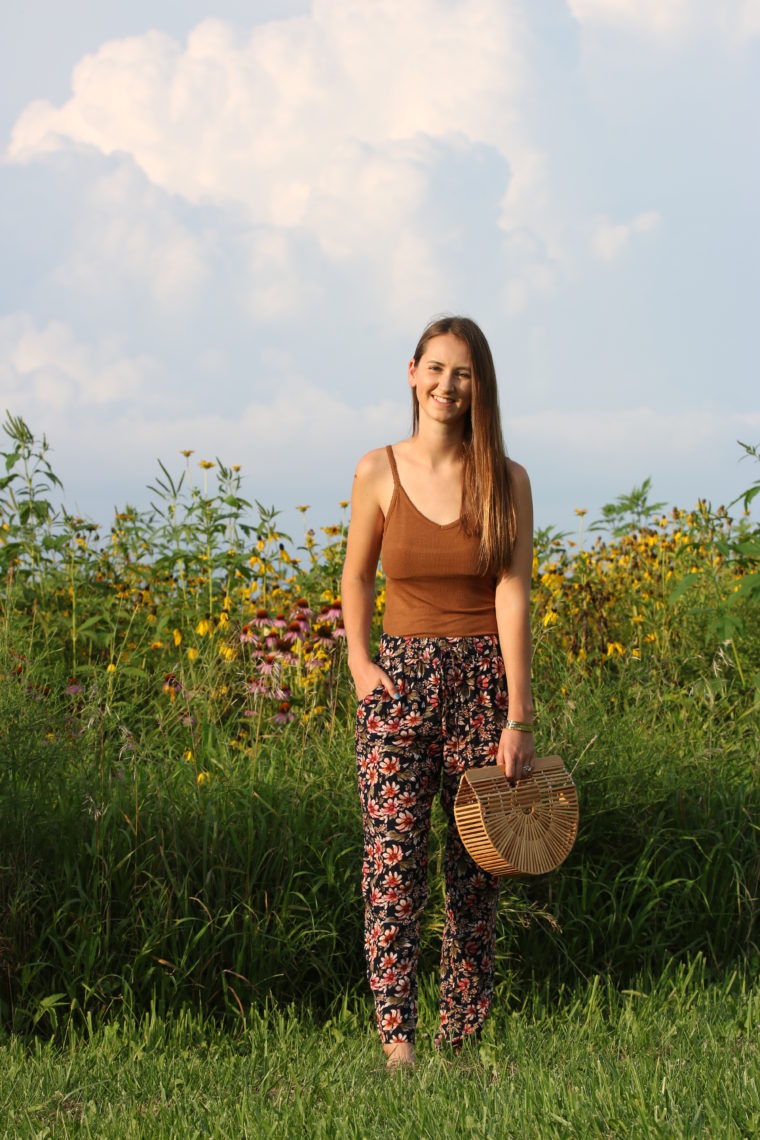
column 371, row 677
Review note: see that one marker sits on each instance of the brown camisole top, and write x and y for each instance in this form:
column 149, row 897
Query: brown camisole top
column 432, row 588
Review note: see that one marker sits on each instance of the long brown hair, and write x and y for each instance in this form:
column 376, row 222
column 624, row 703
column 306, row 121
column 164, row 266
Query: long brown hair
column 488, row 508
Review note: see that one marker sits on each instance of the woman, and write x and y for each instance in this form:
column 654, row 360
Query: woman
column 451, row 518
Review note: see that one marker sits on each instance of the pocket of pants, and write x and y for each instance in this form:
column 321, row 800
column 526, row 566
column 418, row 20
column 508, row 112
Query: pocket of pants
column 373, row 694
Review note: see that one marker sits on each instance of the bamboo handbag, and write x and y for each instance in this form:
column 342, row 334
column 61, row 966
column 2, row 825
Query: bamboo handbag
column 525, row 828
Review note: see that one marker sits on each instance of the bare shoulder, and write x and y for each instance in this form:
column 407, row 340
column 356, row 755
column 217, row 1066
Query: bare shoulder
column 518, row 477
column 372, row 465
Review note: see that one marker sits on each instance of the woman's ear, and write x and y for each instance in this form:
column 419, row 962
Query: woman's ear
column 412, row 374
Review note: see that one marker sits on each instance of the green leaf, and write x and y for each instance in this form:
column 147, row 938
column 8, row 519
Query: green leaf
column 686, row 583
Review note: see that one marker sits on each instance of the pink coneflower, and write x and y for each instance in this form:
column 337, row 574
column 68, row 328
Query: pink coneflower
column 268, row 664
column 284, row 715
column 302, row 617
column 339, row 631
column 280, row 622
column 295, row 632
column 331, row 612
column 260, row 618
column 255, row 686
column 322, row 632
column 73, row 687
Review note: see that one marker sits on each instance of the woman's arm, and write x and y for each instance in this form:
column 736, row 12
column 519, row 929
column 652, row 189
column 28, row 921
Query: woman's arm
column 517, row 749
column 365, row 536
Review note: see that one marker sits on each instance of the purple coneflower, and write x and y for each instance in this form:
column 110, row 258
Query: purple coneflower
column 256, row 687
column 295, row 631
column 284, row 714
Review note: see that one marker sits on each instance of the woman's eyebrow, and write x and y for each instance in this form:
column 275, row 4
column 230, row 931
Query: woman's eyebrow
column 458, row 368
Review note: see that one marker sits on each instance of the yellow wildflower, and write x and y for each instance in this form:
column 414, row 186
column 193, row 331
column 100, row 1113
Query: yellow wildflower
column 203, row 628
column 203, row 777
column 188, row 756
column 192, row 653
column 111, row 668
column 177, row 637
column 206, row 464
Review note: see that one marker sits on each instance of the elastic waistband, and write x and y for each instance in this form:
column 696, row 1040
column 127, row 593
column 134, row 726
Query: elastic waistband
column 478, row 643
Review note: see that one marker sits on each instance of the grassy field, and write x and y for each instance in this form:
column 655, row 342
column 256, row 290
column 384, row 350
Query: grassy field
column 180, row 917
column 680, row 1059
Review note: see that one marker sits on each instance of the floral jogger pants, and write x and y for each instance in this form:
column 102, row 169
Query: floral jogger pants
column 449, row 714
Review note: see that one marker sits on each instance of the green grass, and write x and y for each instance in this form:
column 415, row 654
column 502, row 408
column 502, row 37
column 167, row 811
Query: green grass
column 180, row 913
column 679, row 1058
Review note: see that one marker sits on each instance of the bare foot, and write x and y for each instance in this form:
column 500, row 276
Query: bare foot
column 400, row 1055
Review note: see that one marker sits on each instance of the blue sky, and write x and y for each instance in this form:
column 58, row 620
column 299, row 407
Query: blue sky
column 224, row 225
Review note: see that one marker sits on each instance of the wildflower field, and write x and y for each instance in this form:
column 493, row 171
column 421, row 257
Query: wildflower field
column 180, row 834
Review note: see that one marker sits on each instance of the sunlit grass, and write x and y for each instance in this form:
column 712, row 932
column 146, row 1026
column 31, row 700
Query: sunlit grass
column 180, row 838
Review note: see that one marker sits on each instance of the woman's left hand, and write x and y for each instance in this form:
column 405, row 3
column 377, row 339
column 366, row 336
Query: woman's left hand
column 517, row 752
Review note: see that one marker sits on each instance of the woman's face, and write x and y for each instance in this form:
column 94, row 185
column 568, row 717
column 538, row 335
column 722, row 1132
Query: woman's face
column 443, row 379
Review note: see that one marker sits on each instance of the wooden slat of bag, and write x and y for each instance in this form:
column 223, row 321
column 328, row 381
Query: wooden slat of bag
column 523, row 829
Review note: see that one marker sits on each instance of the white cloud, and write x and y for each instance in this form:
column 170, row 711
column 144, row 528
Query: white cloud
column 129, row 235
column 644, row 436
column 48, row 370
column 611, row 239
column 109, row 416
column 671, row 20
column 322, row 123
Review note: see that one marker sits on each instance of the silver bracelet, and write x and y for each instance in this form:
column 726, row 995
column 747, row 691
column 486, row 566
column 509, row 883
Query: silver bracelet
column 520, row 726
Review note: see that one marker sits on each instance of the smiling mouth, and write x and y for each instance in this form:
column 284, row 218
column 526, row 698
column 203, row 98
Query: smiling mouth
column 443, row 400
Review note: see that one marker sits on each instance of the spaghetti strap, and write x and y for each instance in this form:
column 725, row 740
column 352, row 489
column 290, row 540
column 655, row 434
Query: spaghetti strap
column 394, row 468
